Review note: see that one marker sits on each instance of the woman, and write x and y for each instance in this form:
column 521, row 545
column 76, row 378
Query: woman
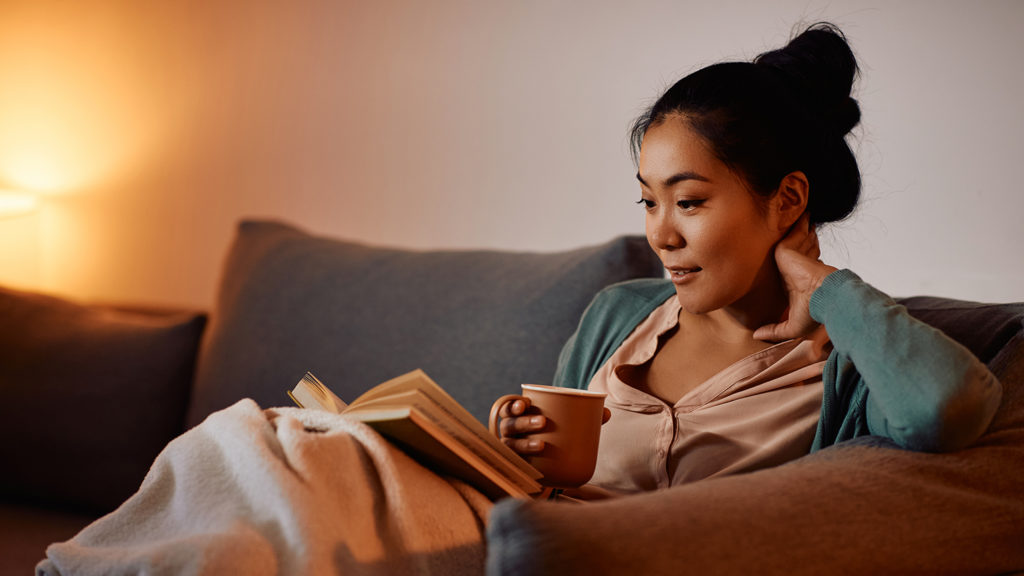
column 755, row 352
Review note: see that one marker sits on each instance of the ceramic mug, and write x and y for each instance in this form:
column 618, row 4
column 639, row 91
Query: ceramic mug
column 571, row 436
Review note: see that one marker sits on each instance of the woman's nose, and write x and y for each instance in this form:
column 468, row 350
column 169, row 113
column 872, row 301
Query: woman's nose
column 662, row 233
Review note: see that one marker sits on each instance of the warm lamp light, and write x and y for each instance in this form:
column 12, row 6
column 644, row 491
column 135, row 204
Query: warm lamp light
column 16, row 203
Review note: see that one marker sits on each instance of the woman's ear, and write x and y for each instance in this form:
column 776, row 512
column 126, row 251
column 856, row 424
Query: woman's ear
column 791, row 199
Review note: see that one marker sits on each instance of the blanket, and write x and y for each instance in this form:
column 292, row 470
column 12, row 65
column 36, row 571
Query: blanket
column 283, row 491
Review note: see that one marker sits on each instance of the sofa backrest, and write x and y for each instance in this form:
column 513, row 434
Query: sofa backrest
column 478, row 322
column 983, row 328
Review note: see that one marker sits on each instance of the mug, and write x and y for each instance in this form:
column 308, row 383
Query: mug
column 571, row 436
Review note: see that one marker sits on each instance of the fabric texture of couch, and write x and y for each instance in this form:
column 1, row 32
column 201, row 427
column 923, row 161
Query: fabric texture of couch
column 93, row 393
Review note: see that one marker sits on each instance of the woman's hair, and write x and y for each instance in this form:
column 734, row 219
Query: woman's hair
column 788, row 110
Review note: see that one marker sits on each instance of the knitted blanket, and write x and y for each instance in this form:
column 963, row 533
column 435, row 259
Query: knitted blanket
column 283, row 491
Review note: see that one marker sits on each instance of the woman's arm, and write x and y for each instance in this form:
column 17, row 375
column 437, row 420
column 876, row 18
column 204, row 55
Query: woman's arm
column 925, row 390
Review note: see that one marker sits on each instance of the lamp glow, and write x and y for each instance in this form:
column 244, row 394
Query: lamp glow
column 17, row 203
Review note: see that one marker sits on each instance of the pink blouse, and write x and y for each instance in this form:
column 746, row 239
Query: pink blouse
column 759, row 412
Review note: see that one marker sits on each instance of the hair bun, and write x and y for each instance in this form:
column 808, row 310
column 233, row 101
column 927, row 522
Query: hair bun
column 845, row 116
column 820, row 68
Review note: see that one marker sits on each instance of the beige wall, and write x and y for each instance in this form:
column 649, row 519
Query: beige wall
column 150, row 128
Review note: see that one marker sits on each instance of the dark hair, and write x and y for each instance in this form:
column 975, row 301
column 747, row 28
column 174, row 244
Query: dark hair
column 788, row 110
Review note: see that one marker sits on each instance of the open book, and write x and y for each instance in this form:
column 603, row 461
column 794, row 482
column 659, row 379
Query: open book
column 419, row 417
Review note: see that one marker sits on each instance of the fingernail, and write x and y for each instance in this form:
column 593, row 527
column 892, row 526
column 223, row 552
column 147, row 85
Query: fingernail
column 533, row 444
column 536, row 420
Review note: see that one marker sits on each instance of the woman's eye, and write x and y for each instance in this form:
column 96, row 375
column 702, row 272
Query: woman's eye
column 648, row 204
column 689, row 204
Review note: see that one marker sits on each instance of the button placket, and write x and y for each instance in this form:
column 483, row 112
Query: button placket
column 665, row 440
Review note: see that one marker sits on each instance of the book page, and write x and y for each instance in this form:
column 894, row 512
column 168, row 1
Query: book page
column 417, row 435
column 418, row 380
column 311, row 393
column 430, row 409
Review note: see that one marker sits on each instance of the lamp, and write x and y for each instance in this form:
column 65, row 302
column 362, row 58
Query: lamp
column 16, row 203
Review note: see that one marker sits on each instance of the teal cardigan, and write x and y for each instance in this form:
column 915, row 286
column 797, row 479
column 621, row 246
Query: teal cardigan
column 888, row 374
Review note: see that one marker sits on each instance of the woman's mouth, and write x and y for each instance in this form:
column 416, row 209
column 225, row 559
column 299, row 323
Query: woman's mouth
column 680, row 275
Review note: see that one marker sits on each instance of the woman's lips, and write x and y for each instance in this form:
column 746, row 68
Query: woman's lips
column 680, row 274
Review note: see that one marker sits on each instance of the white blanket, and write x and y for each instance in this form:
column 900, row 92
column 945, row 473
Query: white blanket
column 283, row 491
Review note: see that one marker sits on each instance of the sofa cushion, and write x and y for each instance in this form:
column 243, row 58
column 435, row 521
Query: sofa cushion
column 859, row 507
column 983, row 328
column 90, row 396
column 478, row 322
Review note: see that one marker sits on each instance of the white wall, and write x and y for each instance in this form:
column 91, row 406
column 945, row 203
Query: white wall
column 152, row 128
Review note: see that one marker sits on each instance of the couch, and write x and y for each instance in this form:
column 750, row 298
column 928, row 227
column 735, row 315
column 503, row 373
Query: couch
column 93, row 392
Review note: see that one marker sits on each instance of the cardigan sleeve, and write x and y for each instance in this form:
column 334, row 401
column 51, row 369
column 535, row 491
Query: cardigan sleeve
column 923, row 389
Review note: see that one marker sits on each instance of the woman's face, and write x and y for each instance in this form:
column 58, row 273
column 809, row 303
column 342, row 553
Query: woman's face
column 713, row 236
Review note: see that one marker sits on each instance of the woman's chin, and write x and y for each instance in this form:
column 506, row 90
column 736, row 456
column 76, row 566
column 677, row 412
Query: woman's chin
column 694, row 304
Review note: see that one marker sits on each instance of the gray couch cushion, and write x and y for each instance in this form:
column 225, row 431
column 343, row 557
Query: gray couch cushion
column 984, row 329
column 478, row 322
column 860, row 507
column 90, row 396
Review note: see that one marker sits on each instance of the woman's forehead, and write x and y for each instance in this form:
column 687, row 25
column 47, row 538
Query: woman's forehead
column 672, row 147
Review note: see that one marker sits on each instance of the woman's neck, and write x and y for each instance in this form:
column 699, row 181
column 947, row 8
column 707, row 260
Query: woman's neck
column 766, row 304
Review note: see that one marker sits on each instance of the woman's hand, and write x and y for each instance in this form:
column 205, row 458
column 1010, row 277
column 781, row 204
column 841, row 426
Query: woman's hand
column 797, row 256
column 516, row 427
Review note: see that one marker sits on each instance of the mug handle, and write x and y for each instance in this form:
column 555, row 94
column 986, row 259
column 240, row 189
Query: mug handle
column 492, row 421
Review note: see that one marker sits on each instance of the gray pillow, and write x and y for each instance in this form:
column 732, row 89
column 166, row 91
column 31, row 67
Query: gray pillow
column 478, row 322
column 90, row 397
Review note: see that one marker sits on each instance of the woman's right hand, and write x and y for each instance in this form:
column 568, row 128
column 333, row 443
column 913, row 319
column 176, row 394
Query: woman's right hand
column 517, row 425
column 798, row 257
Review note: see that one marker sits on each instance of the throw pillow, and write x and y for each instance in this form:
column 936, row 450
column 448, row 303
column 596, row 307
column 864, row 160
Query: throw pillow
column 90, row 397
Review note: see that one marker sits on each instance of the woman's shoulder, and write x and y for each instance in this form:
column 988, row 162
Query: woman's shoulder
column 638, row 290
column 611, row 315
column 628, row 300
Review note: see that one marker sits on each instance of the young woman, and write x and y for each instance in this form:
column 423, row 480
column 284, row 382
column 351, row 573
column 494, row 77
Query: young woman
column 754, row 352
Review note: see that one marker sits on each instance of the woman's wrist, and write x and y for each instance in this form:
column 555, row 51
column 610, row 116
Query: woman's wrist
column 824, row 271
column 824, row 295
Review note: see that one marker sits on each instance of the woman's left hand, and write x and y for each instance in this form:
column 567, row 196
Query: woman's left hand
column 798, row 258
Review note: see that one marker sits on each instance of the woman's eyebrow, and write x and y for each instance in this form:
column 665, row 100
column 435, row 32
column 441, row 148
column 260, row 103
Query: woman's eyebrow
column 675, row 178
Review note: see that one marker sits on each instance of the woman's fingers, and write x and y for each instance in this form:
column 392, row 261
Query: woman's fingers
column 813, row 248
column 771, row 333
column 524, row 445
column 522, row 425
column 801, row 237
column 515, row 408
column 514, row 426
